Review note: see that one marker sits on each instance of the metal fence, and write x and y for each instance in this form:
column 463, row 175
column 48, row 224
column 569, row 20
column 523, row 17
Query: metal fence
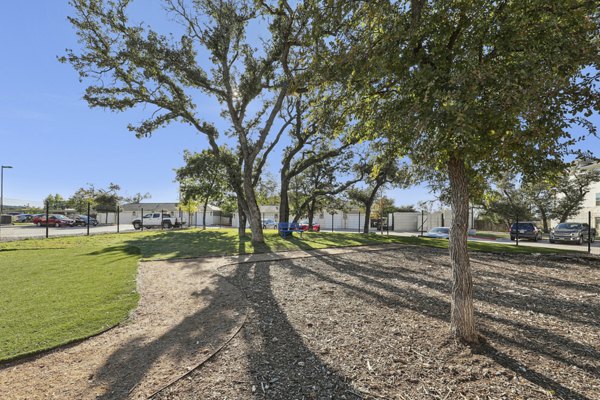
column 55, row 222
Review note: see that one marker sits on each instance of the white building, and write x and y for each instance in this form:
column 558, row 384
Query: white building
column 591, row 202
column 351, row 220
column 341, row 220
column 266, row 212
column 132, row 211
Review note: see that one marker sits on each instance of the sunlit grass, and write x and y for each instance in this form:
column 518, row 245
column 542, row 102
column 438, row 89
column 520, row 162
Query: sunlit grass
column 54, row 291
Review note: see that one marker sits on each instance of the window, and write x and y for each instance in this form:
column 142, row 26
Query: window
column 598, row 199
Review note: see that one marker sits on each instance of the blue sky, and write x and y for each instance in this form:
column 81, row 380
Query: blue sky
column 57, row 144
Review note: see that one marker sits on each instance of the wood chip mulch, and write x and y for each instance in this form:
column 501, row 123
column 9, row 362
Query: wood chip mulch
column 375, row 325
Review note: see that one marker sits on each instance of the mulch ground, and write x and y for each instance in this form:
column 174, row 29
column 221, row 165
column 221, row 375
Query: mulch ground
column 186, row 312
column 375, row 325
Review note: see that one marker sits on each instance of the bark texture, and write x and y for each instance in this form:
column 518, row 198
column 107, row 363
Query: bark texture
column 254, row 216
column 284, row 203
column 204, row 207
column 462, row 313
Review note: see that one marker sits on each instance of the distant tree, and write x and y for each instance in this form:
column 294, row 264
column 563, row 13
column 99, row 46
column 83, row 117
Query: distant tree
column 105, row 200
column 203, row 178
column 384, row 169
column 319, row 133
column 32, row 210
column 190, row 207
column 136, row 198
column 55, row 201
column 506, row 202
column 267, row 190
column 385, row 205
column 571, row 191
column 405, row 208
column 317, row 187
column 81, row 198
column 541, row 194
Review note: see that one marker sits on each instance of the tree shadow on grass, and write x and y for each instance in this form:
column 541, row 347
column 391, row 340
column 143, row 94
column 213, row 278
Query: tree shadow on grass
column 188, row 244
column 543, row 341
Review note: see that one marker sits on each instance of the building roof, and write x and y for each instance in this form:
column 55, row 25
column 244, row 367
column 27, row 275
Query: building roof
column 269, row 209
column 150, row 206
column 161, row 206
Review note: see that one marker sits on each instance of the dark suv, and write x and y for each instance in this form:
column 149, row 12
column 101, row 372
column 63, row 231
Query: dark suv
column 526, row 230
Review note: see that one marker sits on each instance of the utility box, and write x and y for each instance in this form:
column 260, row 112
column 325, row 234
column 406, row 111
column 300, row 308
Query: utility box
column 5, row 219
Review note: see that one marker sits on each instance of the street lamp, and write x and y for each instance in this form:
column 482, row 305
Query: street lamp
column 2, row 190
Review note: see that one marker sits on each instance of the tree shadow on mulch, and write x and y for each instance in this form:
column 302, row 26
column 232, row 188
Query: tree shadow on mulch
column 280, row 363
column 208, row 328
column 539, row 340
column 281, row 366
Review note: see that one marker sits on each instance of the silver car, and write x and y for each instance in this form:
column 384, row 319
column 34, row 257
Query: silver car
column 269, row 223
column 438, row 233
column 572, row 232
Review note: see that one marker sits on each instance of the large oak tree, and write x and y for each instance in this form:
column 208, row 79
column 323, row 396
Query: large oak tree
column 129, row 65
column 470, row 88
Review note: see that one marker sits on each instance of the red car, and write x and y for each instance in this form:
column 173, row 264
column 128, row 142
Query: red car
column 304, row 226
column 54, row 220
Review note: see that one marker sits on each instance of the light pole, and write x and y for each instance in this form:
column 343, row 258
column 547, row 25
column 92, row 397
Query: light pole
column 2, row 190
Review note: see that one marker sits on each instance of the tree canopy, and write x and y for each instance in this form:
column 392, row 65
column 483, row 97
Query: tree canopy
column 128, row 65
column 472, row 88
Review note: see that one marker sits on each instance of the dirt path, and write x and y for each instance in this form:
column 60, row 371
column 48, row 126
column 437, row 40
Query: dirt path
column 187, row 311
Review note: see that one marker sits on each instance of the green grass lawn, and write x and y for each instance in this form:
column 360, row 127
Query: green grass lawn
column 493, row 235
column 55, row 291
column 59, row 290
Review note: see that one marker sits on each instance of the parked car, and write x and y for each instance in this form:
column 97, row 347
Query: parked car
column 269, row 223
column 154, row 220
column 525, row 230
column 23, row 218
column 55, row 220
column 82, row 220
column 376, row 223
column 572, row 232
column 438, row 233
column 35, row 218
column 304, row 226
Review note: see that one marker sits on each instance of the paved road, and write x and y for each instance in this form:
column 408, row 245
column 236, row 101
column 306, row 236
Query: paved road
column 17, row 232
column 544, row 243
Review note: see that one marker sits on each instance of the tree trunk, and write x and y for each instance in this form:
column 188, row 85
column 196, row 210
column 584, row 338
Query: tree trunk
column 241, row 220
column 544, row 219
column 204, row 214
column 284, row 204
column 366, row 227
column 368, row 207
column 462, row 317
column 254, row 216
column 311, row 214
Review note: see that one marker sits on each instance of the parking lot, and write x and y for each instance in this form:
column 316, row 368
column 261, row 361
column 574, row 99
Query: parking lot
column 595, row 247
column 19, row 232
column 30, row 231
